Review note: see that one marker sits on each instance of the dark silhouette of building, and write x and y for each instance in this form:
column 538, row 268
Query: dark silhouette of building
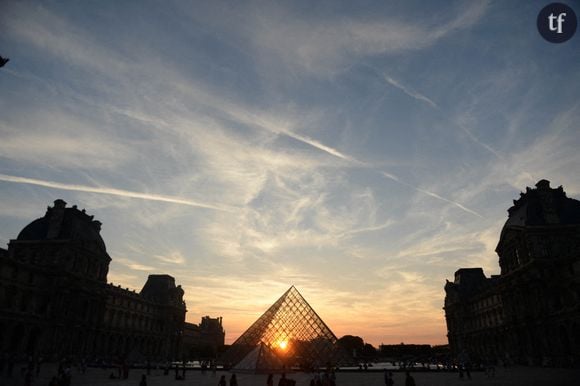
column 203, row 340
column 530, row 313
column 55, row 300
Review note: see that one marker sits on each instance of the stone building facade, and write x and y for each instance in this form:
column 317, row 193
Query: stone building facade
column 55, row 300
column 530, row 312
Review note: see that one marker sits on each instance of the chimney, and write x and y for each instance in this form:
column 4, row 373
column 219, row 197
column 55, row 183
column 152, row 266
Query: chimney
column 543, row 185
column 56, row 214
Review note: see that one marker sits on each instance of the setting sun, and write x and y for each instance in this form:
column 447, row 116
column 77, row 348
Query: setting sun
column 283, row 344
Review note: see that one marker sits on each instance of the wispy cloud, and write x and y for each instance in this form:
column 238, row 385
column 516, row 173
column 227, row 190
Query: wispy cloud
column 431, row 194
column 174, row 257
column 409, row 92
column 64, row 151
column 331, row 45
column 321, row 146
column 134, row 265
column 461, row 124
column 111, row 191
column 475, row 139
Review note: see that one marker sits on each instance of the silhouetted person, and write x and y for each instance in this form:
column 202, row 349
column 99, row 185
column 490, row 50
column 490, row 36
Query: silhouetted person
column 3, row 61
column 464, row 364
column 389, row 378
column 28, row 378
column 38, row 363
column 222, row 381
column 125, row 370
column 282, row 381
column 143, row 380
column 318, row 380
column 270, row 381
column 166, row 368
column 489, row 368
column 233, row 380
column 10, row 366
column 409, row 380
column 176, row 371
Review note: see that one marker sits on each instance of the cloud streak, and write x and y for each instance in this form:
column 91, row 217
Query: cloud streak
column 112, row 191
column 431, row 194
column 324, row 47
column 420, row 97
column 409, row 92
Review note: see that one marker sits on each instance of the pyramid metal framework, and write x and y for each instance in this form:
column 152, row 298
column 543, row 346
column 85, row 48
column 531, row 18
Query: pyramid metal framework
column 293, row 331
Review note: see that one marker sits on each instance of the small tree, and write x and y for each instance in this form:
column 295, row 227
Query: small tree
column 352, row 344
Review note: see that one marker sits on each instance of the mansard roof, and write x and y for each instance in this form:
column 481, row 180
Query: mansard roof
column 162, row 289
column 62, row 223
column 544, row 206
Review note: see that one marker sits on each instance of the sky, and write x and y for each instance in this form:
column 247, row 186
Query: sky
column 361, row 151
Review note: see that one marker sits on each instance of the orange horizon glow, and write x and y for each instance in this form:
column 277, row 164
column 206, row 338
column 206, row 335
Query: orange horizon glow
column 429, row 328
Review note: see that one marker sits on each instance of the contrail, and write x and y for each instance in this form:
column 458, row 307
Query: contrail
column 336, row 153
column 476, row 140
column 409, row 92
column 434, row 195
column 320, row 146
column 266, row 124
column 421, row 97
column 111, row 191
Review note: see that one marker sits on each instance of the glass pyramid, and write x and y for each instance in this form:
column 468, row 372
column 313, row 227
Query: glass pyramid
column 293, row 331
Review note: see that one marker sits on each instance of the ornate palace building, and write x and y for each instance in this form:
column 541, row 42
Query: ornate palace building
column 55, row 299
column 530, row 313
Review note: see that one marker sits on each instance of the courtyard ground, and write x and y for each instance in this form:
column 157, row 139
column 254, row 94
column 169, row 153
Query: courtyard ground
column 527, row 376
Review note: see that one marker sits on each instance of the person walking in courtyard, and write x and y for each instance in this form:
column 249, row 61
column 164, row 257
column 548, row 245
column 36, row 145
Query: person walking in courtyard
column 409, row 380
column 233, row 380
column 282, row 381
column 389, row 378
column 143, row 380
column 270, row 381
column 222, row 381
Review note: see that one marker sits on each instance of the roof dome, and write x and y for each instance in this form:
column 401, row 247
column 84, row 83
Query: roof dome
column 62, row 223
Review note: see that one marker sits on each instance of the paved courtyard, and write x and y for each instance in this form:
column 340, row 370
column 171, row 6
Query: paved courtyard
column 510, row 376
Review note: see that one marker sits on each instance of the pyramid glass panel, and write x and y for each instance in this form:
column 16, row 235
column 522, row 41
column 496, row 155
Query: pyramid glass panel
column 292, row 330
